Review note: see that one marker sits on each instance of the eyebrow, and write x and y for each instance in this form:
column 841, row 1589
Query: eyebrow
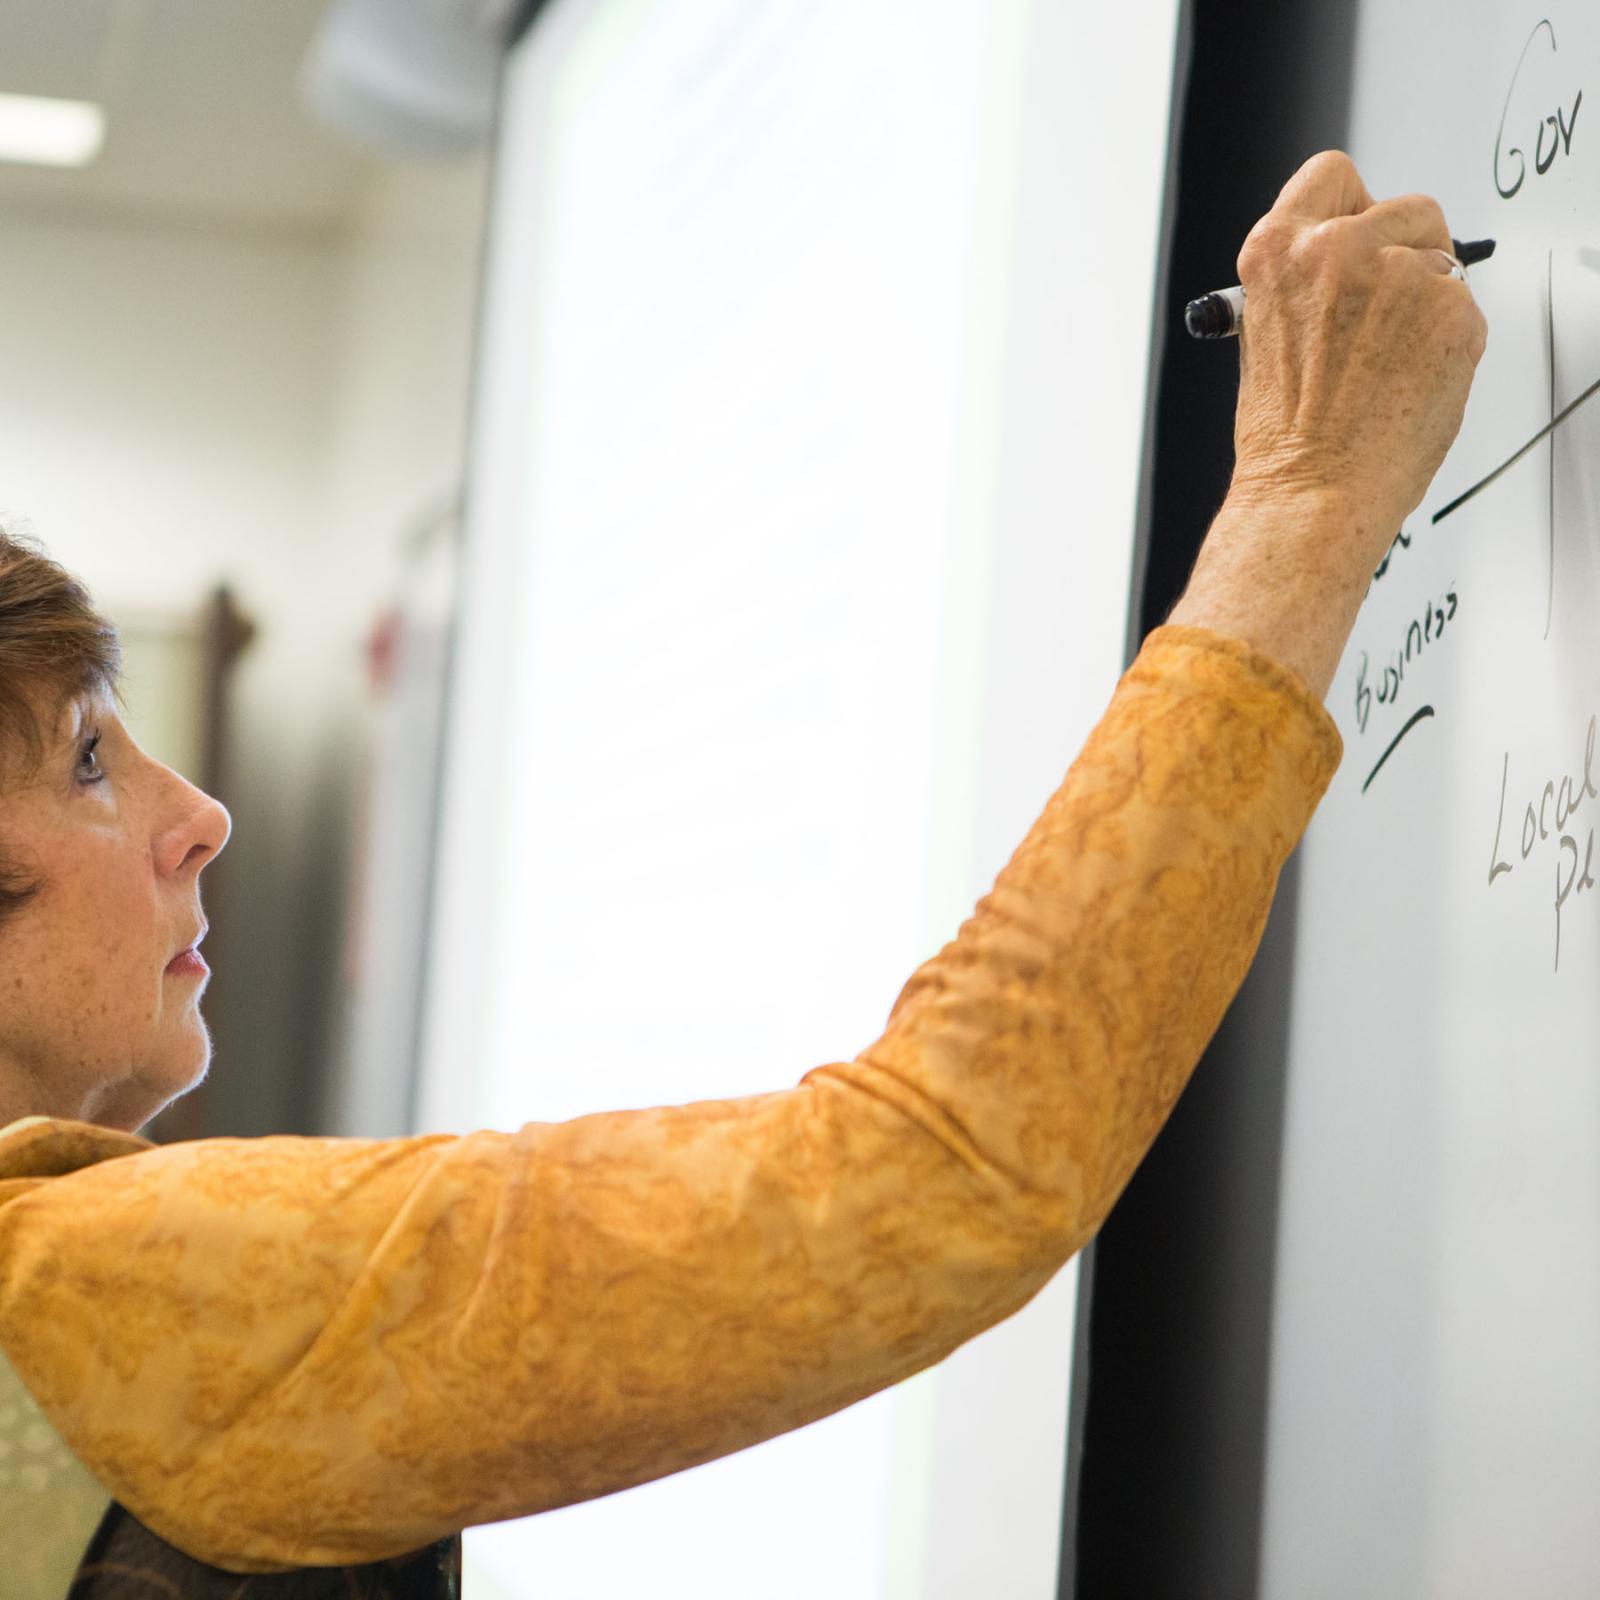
column 69, row 708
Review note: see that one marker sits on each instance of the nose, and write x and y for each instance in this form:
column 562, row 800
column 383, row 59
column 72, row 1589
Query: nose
column 196, row 828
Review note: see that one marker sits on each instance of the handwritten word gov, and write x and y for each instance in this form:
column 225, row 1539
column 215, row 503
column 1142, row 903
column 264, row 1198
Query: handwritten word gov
column 1557, row 125
column 1549, row 816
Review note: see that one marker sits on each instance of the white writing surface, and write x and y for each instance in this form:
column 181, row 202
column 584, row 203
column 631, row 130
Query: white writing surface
column 1434, row 1417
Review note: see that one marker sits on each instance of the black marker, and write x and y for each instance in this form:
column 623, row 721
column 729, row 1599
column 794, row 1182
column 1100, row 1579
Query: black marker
column 1220, row 314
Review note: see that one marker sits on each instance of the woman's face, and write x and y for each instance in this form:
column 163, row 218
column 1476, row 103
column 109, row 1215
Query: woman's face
column 93, row 1025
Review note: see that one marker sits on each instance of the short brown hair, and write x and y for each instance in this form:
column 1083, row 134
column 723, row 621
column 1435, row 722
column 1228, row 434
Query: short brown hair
column 54, row 648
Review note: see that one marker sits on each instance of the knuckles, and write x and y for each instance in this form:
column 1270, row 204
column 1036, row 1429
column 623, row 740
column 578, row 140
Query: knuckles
column 1429, row 210
column 1332, row 164
column 1265, row 243
column 1338, row 245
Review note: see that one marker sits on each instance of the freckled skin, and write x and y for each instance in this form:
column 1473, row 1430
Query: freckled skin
column 1356, row 358
column 92, row 1027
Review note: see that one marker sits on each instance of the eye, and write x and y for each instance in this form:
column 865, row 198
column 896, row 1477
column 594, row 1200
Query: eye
column 89, row 770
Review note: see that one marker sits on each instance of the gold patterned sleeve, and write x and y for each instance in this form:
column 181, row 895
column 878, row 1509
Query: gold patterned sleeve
column 286, row 1352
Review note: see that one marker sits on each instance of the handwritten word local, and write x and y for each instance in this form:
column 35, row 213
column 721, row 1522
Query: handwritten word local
column 1548, row 817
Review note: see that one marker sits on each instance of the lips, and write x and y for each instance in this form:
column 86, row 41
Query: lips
column 193, row 944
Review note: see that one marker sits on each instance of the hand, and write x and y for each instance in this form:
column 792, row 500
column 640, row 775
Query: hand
column 1356, row 357
column 1357, row 351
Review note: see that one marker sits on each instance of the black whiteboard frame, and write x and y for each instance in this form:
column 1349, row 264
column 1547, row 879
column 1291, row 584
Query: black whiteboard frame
column 522, row 19
column 1166, row 1468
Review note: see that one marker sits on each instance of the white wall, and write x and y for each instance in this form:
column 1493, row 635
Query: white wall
column 406, row 280
column 183, row 406
column 406, row 289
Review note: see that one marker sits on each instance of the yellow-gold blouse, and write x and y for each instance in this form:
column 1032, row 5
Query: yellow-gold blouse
column 283, row 1352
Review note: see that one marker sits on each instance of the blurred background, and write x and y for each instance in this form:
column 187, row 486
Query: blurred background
column 632, row 506
column 236, row 345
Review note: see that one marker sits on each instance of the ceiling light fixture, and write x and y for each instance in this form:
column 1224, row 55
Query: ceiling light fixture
column 409, row 78
column 50, row 133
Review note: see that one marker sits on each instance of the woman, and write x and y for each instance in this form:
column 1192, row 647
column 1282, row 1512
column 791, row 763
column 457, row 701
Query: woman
column 264, row 1356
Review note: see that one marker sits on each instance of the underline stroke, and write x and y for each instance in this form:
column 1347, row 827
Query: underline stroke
column 1426, row 711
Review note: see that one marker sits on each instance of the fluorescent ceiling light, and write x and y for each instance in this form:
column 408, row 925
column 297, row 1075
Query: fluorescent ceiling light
column 50, row 133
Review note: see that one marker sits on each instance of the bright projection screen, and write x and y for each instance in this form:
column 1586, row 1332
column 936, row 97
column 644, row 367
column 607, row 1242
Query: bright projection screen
column 799, row 530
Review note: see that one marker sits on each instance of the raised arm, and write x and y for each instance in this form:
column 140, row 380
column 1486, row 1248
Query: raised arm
column 283, row 1352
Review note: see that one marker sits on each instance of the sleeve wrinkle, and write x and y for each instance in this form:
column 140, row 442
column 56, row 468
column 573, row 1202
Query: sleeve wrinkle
column 909, row 1101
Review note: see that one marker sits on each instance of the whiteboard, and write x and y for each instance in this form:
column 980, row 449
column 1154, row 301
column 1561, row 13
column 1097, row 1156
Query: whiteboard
column 799, row 530
column 1434, row 1400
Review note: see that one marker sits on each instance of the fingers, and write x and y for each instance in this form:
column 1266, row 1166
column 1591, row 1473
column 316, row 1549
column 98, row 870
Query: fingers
column 1327, row 206
column 1410, row 219
column 1328, row 185
column 1325, row 221
column 1457, row 310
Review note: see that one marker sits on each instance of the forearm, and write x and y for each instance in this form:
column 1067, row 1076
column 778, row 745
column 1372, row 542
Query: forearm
column 1276, row 572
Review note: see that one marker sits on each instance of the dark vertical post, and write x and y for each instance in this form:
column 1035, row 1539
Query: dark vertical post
column 1167, row 1456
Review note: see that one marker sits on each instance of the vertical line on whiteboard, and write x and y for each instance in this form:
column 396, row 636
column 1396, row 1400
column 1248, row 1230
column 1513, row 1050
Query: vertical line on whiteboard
column 1550, row 332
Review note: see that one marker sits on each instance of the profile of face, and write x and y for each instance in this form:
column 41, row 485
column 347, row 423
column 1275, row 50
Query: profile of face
column 95, row 1025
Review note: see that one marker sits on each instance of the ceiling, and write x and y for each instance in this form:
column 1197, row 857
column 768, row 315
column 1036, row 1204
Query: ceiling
column 203, row 114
